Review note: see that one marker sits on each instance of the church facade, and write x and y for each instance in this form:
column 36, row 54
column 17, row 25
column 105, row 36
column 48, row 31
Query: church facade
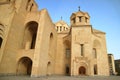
column 31, row 44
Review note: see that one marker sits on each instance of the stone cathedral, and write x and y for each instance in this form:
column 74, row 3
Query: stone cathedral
column 31, row 44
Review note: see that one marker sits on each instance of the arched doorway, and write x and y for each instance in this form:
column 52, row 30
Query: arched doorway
column 82, row 70
column 24, row 66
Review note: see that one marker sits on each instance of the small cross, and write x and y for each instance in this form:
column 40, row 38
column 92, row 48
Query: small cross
column 61, row 17
column 79, row 8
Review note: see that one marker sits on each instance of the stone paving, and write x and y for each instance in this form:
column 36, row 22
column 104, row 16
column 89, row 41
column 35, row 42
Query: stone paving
column 60, row 78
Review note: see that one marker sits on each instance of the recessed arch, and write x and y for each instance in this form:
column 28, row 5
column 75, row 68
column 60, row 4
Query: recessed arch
column 67, row 43
column 24, row 66
column 83, row 64
column 32, row 24
column 67, row 48
column 96, row 48
column 30, row 34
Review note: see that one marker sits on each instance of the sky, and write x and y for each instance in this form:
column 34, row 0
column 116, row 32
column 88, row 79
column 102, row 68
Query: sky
column 104, row 16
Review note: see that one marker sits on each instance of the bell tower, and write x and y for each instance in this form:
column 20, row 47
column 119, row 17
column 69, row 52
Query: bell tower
column 80, row 18
column 80, row 41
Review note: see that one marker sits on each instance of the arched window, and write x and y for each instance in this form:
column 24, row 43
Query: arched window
column 60, row 28
column 64, row 28
column 82, row 49
column 57, row 28
column 51, row 43
column 67, row 52
column 80, row 19
column 30, row 35
column 94, row 53
column 1, row 40
column 67, row 48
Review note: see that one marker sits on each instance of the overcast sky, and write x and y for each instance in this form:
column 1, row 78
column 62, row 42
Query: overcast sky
column 105, row 16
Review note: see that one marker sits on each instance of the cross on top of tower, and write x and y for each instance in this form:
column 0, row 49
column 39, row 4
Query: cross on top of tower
column 78, row 8
column 61, row 17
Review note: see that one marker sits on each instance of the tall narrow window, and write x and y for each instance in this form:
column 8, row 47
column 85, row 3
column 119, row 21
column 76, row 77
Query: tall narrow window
column 57, row 28
column 94, row 53
column 60, row 28
column 1, row 42
column 64, row 28
column 82, row 49
column 80, row 19
column 67, row 52
column 51, row 44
